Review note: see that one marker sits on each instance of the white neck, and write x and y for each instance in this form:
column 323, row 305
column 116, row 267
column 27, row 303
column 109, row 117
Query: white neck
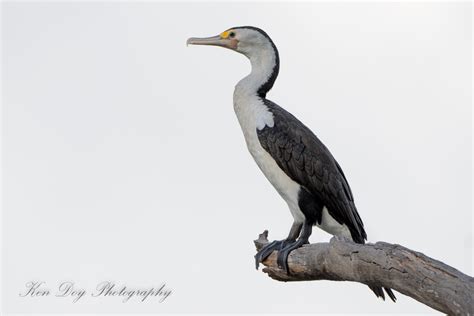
column 248, row 105
column 263, row 62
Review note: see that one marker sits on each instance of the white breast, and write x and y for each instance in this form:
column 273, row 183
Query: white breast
column 253, row 114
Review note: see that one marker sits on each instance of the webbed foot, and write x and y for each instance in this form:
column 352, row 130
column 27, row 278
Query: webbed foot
column 267, row 250
column 282, row 258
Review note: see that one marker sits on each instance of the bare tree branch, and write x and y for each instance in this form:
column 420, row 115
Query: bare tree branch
column 427, row 280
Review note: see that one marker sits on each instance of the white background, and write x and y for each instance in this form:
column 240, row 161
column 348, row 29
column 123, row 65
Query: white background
column 123, row 160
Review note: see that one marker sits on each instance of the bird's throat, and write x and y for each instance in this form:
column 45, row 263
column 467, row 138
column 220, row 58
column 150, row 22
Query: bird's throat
column 265, row 67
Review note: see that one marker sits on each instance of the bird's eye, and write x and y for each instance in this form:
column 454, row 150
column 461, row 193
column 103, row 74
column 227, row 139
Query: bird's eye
column 232, row 34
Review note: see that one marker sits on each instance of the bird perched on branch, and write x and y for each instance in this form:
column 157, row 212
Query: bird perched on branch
column 293, row 159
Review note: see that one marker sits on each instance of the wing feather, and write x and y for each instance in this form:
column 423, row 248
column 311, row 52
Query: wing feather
column 305, row 159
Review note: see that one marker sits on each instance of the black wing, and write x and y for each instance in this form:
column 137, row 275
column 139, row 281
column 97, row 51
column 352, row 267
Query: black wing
column 305, row 159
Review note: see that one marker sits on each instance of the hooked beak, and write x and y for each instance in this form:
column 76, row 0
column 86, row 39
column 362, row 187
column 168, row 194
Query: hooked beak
column 213, row 41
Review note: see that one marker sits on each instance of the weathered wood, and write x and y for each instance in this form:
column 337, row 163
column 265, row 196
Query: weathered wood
column 427, row 280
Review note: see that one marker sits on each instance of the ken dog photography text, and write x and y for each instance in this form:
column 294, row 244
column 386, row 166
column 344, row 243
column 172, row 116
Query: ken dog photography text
column 69, row 289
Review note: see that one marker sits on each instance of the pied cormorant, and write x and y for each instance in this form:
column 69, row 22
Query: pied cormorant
column 293, row 159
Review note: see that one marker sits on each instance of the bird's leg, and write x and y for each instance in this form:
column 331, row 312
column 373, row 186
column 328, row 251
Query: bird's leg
column 282, row 258
column 267, row 250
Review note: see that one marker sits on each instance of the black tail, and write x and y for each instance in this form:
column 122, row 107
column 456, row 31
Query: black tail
column 378, row 290
column 359, row 236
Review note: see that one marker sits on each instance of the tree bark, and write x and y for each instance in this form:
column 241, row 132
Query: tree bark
column 427, row 280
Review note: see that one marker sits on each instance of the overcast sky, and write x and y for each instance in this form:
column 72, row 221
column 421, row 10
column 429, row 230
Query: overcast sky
column 123, row 159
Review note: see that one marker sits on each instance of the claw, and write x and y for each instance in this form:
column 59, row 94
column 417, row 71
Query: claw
column 268, row 249
column 282, row 258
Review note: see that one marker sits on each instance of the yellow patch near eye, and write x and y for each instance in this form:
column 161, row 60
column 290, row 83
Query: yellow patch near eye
column 225, row 34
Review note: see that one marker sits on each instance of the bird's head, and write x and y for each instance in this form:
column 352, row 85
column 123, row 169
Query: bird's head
column 247, row 40
column 257, row 46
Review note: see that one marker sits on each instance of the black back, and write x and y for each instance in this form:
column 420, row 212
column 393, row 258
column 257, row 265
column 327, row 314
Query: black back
column 305, row 159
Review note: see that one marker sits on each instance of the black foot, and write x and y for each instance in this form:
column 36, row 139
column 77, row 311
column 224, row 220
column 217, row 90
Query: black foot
column 268, row 249
column 282, row 259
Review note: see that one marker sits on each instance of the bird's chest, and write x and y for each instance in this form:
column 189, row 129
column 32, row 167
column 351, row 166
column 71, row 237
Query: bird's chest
column 253, row 115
